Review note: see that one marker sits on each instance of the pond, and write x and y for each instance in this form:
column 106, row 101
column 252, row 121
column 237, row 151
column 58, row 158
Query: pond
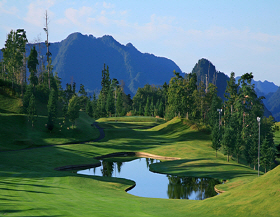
column 155, row 185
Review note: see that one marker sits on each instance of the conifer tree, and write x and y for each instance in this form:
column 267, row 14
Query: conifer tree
column 94, row 107
column 119, row 104
column 73, row 109
column 26, row 98
column 89, row 109
column 13, row 55
column 216, row 136
column 32, row 111
column 147, row 107
column 32, row 66
column 52, row 109
column 228, row 141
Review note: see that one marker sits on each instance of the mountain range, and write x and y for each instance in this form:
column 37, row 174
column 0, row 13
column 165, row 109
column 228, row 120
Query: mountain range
column 80, row 58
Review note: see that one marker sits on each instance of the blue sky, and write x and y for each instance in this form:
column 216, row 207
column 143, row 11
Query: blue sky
column 240, row 36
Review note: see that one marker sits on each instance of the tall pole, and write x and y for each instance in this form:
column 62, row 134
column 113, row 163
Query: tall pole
column 48, row 53
column 259, row 146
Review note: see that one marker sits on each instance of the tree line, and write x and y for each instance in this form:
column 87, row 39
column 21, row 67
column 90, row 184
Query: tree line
column 234, row 131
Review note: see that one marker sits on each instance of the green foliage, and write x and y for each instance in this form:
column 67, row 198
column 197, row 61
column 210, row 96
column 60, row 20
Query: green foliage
column 89, row 109
column 147, row 108
column 26, row 98
column 13, row 55
column 216, row 135
column 73, row 109
column 228, row 141
column 154, row 94
column 32, row 66
column 31, row 110
column 52, row 109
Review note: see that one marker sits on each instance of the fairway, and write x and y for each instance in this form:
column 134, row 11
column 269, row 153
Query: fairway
column 30, row 186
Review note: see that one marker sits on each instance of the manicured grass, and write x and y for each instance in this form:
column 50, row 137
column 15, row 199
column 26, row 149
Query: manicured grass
column 29, row 185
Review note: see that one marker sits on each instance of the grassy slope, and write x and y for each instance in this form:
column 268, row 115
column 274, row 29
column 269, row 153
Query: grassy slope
column 30, row 187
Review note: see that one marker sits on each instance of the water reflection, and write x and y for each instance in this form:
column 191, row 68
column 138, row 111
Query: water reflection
column 149, row 184
column 189, row 187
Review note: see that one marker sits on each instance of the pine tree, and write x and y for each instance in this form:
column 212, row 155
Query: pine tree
column 26, row 98
column 89, row 109
column 216, row 137
column 119, row 104
column 94, row 107
column 32, row 111
column 13, row 55
column 73, row 109
column 228, row 141
column 110, row 106
column 52, row 109
column 32, row 66
column 147, row 108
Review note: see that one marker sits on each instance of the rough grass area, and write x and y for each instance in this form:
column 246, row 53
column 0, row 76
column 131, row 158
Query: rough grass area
column 29, row 185
column 9, row 104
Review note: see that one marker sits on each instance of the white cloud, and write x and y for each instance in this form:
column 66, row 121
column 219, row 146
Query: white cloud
column 5, row 9
column 37, row 11
column 108, row 5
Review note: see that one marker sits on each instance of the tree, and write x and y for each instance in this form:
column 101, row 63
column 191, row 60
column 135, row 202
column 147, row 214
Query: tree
column 228, row 141
column 32, row 111
column 73, row 109
column 89, row 109
column 52, row 109
column 216, row 137
column 147, row 108
column 83, row 97
column 13, row 55
column 119, row 103
column 213, row 113
column 175, row 97
column 268, row 149
column 94, row 107
column 26, row 98
column 230, row 94
column 32, row 66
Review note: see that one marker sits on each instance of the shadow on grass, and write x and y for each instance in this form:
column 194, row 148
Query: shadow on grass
column 14, row 211
column 24, row 184
column 29, row 191
column 184, row 167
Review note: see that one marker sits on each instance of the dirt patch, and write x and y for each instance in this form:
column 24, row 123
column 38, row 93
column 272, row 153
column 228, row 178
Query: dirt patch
column 136, row 154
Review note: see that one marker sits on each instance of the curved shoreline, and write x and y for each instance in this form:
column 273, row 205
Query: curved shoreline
column 135, row 154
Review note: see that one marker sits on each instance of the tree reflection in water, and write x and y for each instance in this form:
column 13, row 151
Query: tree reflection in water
column 107, row 168
column 151, row 184
column 185, row 187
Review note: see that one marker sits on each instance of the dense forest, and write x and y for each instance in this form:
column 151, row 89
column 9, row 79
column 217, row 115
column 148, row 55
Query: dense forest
column 231, row 119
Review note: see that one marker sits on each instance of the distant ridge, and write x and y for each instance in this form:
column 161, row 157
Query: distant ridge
column 80, row 58
column 204, row 67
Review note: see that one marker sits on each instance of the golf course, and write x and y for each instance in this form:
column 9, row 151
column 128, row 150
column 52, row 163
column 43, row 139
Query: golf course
column 30, row 185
